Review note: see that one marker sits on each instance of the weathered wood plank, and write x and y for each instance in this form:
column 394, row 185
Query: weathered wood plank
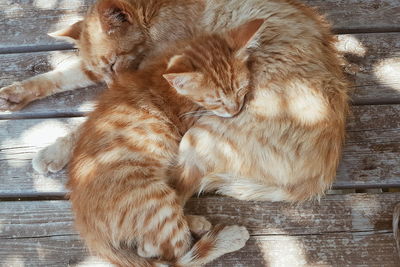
column 360, row 15
column 356, row 249
column 375, row 60
column 371, row 155
column 332, row 214
column 25, row 23
column 375, row 77
column 341, row 230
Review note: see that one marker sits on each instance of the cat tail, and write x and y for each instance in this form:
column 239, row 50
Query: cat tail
column 217, row 242
column 250, row 190
column 212, row 245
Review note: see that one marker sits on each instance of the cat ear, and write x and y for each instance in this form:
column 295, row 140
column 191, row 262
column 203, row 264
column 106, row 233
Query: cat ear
column 71, row 33
column 180, row 63
column 114, row 15
column 244, row 35
column 183, row 82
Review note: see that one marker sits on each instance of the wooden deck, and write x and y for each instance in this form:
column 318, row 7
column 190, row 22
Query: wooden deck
column 349, row 228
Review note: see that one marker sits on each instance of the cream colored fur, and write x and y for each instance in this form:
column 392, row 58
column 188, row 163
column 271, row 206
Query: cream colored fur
column 291, row 131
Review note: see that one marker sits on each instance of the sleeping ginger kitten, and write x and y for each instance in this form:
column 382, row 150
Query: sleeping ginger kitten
column 124, row 207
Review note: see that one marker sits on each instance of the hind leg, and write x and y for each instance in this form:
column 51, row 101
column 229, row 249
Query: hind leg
column 198, row 225
column 190, row 170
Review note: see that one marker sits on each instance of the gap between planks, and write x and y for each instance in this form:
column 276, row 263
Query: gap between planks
column 67, row 46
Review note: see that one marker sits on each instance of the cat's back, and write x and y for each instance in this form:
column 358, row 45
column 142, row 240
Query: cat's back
column 289, row 15
column 127, row 127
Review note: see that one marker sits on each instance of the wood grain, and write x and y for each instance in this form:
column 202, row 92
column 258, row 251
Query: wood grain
column 360, row 15
column 371, row 155
column 24, row 24
column 344, row 249
column 381, row 53
column 332, row 214
column 341, row 230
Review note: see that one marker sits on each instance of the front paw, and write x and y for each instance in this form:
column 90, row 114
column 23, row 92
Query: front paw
column 13, row 97
column 54, row 157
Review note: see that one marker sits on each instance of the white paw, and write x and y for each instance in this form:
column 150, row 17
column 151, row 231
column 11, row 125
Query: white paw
column 13, row 97
column 233, row 238
column 54, row 157
column 198, row 225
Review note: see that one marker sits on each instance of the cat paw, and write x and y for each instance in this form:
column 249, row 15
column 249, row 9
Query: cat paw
column 52, row 158
column 198, row 225
column 13, row 97
column 233, row 238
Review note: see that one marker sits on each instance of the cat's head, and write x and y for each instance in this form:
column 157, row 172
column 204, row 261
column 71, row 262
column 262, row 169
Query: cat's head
column 213, row 70
column 113, row 35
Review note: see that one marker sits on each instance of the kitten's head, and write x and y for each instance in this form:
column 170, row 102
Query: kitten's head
column 112, row 36
column 213, row 69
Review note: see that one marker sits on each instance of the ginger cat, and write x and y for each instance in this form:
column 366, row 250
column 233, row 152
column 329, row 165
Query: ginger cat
column 287, row 141
column 124, row 207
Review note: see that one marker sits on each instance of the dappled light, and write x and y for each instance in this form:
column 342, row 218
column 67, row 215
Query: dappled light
column 288, row 235
column 42, row 183
column 23, row 141
column 45, row 4
column 388, row 72
column 363, row 216
column 38, row 135
column 93, row 262
column 349, row 44
column 282, row 250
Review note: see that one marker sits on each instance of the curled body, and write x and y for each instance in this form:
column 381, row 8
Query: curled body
column 124, row 206
column 286, row 143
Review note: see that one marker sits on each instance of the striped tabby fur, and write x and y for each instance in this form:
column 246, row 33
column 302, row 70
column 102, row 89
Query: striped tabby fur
column 124, row 207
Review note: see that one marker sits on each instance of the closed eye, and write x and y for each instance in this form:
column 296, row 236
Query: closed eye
column 112, row 66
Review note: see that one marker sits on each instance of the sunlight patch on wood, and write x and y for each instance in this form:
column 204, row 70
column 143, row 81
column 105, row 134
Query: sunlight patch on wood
column 274, row 255
column 349, row 44
column 45, row 4
column 364, row 216
column 39, row 135
column 388, row 72
column 93, row 262
column 41, row 183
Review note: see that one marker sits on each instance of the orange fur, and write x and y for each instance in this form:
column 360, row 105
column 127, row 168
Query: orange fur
column 289, row 137
column 286, row 143
column 124, row 208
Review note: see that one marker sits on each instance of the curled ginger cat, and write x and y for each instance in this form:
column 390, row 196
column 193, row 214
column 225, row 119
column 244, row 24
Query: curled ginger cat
column 123, row 205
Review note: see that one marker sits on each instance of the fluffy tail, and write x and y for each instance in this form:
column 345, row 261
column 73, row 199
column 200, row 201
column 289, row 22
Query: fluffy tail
column 250, row 190
column 214, row 244
column 217, row 242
